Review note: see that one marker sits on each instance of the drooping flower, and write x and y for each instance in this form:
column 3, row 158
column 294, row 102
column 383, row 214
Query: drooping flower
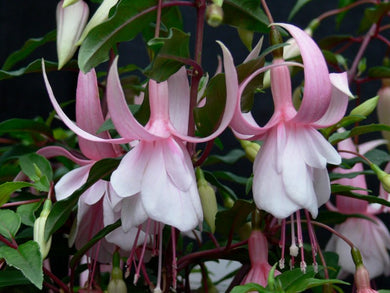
column 258, row 254
column 362, row 281
column 290, row 169
column 368, row 234
column 71, row 21
column 99, row 205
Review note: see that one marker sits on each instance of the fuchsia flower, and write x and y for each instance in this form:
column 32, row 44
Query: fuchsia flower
column 156, row 177
column 99, row 205
column 290, row 169
column 370, row 236
column 258, row 254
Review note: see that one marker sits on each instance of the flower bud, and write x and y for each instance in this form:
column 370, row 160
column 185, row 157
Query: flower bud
column 68, row 3
column 383, row 108
column 366, row 108
column 208, row 199
column 383, row 177
column 214, row 15
column 362, row 280
column 116, row 285
column 99, row 17
column 251, row 149
column 71, row 21
column 39, row 229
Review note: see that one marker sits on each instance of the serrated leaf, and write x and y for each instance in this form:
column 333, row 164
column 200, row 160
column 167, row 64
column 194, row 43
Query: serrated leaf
column 25, row 125
column 7, row 188
column 26, row 212
column 9, row 223
column 130, row 18
column 26, row 258
column 29, row 46
column 298, row 5
column 62, row 209
column 208, row 116
column 233, row 218
column 245, row 14
column 168, row 53
column 12, row 277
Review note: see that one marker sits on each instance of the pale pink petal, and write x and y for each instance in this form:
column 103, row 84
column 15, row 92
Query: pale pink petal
column 179, row 102
column 133, row 213
column 56, row 151
column 127, row 179
column 317, row 91
column 231, row 100
column 72, row 126
column 89, row 117
column 321, row 185
column 124, row 121
column 370, row 145
column 95, row 192
column 338, row 103
column 163, row 201
column 72, row 181
column 255, row 51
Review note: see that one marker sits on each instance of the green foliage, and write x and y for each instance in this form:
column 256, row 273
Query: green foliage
column 372, row 15
column 26, row 258
column 17, row 125
column 38, row 169
column 7, row 188
column 27, row 212
column 298, row 6
column 9, row 223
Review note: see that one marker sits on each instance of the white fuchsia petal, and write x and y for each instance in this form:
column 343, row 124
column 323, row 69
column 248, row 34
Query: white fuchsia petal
column 72, row 181
column 133, row 213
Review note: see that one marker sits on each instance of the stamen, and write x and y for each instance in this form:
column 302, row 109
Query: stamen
column 140, row 259
column 313, row 240
column 174, row 260
column 300, row 242
column 160, row 238
column 133, row 249
column 293, row 248
column 282, row 243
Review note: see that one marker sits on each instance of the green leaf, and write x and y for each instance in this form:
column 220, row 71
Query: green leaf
column 230, row 158
column 233, row 218
column 250, row 287
column 9, row 223
column 208, row 117
column 329, row 42
column 221, row 187
column 336, row 176
column 298, row 5
column 169, row 52
column 346, row 190
column 12, row 277
column 130, row 18
column 109, row 228
column 33, row 67
column 334, row 218
column 29, row 46
column 7, row 188
column 225, row 175
column 340, row 16
column 359, row 130
column 26, row 212
column 372, row 15
column 25, row 125
column 26, row 258
column 245, row 14
column 379, row 72
column 62, row 209
column 38, row 169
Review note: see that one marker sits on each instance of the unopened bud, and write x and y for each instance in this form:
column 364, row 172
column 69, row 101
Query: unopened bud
column 383, row 177
column 362, row 280
column 70, row 24
column 366, row 108
column 68, row 3
column 99, row 17
column 214, row 15
column 246, row 37
column 208, row 199
column 39, row 229
column 251, row 149
column 116, row 285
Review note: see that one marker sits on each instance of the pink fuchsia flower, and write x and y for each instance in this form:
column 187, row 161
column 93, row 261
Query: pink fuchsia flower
column 71, row 21
column 290, row 167
column 99, row 205
column 258, row 254
column 362, row 281
column 370, row 235
column 157, row 174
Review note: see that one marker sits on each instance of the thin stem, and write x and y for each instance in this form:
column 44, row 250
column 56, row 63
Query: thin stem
column 158, row 20
column 362, row 49
column 18, row 203
column 348, row 7
column 267, row 11
column 356, row 154
column 56, row 279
